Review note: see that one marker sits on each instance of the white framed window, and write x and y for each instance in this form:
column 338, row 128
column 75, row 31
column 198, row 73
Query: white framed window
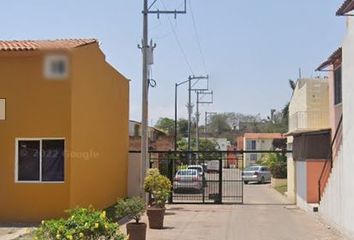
column 40, row 160
column 253, row 157
column 2, row 109
column 56, row 67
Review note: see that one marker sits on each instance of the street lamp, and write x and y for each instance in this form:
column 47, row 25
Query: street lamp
column 190, row 89
column 176, row 106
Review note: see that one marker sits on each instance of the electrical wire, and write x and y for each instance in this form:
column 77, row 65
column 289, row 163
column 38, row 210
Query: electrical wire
column 179, row 42
column 197, row 37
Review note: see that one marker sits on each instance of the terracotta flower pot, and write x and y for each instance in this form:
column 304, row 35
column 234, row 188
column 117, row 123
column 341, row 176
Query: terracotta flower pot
column 136, row 231
column 156, row 216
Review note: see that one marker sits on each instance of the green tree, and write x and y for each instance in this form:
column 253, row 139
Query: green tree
column 204, row 145
column 167, row 125
column 182, row 127
column 219, row 124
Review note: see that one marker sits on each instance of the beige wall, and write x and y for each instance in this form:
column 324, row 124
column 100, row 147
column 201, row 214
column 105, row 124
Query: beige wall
column 309, row 108
column 134, row 188
column 99, row 115
column 261, row 145
column 291, row 170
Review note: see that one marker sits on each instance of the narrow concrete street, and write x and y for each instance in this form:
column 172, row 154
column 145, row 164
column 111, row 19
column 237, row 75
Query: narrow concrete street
column 265, row 215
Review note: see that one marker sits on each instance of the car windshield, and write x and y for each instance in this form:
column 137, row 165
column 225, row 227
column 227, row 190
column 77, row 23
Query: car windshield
column 186, row 172
column 252, row 168
column 199, row 169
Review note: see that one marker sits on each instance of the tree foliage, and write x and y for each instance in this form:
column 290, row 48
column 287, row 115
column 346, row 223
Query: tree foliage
column 166, row 124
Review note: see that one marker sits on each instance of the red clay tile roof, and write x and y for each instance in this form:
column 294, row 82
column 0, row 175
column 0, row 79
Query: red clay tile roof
column 32, row 45
column 264, row 135
column 335, row 56
column 346, row 7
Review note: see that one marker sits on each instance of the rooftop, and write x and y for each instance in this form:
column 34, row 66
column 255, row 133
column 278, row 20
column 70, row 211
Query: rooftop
column 336, row 55
column 34, row 45
column 264, row 135
column 346, row 7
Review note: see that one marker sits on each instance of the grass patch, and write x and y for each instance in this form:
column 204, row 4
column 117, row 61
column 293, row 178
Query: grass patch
column 282, row 189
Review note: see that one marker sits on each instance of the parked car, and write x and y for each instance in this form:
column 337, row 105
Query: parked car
column 187, row 179
column 199, row 168
column 258, row 174
column 213, row 166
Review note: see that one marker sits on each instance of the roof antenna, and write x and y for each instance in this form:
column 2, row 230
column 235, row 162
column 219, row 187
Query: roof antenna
column 300, row 73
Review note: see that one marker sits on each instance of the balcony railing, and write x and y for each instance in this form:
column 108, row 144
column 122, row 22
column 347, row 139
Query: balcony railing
column 307, row 120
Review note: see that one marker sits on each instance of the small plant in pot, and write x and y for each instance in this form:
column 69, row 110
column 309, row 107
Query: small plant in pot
column 159, row 189
column 132, row 208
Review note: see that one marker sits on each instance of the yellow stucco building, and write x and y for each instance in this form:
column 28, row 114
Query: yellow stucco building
column 63, row 129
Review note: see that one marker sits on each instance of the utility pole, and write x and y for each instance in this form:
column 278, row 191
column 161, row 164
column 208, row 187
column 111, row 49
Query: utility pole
column 199, row 93
column 145, row 163
column 189, row 81
column 190, row 107
column 147, row 60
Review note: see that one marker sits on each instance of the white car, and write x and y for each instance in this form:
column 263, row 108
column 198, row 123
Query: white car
column 199, row 168
column 213, row 166
column 188, row 179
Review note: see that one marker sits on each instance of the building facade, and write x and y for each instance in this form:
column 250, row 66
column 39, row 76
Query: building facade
column 308, row 124
column 64, row 129
column 336, row 204
column 258, row 142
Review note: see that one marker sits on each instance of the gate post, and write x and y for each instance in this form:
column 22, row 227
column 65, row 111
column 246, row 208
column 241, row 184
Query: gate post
column 220, row 178
column 170, row 162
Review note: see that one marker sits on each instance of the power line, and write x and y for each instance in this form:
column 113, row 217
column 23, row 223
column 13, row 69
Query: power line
column 197, row 37
column 179, row 42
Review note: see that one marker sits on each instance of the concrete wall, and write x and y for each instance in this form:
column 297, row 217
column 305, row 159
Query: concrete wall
column 291, row 190
column 35, row 107
column 134, row 171
column 301, row 184
column 308, row 107
column 337, row 202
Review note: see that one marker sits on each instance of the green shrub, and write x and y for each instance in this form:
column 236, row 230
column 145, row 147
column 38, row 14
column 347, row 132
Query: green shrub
column 182, row 167
column 130, row 207
column 82, row 224
column 158, row 186
column 276, row 163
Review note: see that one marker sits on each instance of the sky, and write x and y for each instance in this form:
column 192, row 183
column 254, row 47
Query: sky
column 250, row 49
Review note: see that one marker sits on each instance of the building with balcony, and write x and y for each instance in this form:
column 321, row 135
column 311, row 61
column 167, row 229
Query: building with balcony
column 258, row 142
column 309, row 125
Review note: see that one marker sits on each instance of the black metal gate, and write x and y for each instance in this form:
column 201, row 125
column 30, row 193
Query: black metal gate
column 202, row 177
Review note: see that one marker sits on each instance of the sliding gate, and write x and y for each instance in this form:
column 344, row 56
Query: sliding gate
column 216, row 177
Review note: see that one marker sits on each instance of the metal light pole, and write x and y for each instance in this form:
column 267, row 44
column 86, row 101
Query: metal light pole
column 176, row 106
column 190, row 89
column 189, row 112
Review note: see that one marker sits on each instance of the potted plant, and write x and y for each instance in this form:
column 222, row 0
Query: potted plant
column 159, row 189
column 132, row 208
